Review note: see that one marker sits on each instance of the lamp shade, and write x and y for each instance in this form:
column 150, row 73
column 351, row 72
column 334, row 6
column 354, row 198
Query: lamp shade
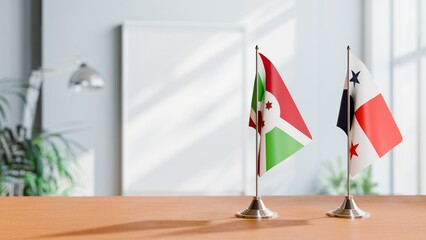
column 86, row 78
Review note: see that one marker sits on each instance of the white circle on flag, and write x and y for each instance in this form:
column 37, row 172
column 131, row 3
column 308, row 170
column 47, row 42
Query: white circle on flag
column 270, row 111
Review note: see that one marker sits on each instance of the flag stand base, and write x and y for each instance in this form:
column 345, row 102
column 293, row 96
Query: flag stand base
column 257, row 209
column 348, row 209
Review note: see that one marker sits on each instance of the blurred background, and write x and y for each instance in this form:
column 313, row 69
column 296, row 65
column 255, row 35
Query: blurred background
column 172, row 115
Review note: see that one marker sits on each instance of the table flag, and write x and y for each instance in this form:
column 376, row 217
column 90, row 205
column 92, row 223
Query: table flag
column 281, row 126
column 373, row 130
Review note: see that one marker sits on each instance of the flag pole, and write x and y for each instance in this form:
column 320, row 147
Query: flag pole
column 348, row 126
column 257, row 125
column 348, row 208
column 257, row 208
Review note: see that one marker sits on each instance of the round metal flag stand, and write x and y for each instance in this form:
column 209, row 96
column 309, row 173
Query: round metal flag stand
column 348, row 209
column 257, row 209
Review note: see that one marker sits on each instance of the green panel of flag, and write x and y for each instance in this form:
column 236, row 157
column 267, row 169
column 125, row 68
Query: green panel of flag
column 279, row 146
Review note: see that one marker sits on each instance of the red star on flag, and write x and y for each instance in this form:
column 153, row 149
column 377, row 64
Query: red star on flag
column 268, row 105
column 352, row 150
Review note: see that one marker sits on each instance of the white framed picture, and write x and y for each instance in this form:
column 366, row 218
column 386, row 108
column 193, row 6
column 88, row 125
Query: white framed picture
column 184, row 113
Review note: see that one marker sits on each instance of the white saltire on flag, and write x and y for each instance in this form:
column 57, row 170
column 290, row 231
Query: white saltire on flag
column 281, row 127
column 373, row 130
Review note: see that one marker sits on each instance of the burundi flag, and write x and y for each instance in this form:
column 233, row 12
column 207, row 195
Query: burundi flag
column 373, row 130
column 281, row 127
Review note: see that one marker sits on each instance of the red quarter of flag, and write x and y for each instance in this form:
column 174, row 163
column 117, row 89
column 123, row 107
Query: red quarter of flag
column 378, row 125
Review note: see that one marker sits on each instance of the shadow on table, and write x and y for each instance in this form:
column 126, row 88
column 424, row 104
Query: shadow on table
column 238, row 225
column 195, row 227
column 129, row 227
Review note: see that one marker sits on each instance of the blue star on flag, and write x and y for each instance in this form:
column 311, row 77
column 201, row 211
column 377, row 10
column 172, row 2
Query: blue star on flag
column 354, row 78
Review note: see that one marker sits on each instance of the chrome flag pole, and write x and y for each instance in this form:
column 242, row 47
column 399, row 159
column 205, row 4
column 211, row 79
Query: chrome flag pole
column 257, row 208
column 348, row 208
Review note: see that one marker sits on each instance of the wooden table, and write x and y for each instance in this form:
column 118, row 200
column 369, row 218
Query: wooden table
column 301, row 217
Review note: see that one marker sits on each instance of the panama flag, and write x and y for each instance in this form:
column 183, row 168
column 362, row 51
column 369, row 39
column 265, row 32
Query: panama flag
column 373, row 130
column 281, row 127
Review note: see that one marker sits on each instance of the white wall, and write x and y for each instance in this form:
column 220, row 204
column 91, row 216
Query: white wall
column 15, row 47
column 311, row 49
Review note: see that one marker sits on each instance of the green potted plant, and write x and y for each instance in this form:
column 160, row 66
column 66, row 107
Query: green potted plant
column 32, row 166
column 334, row 179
